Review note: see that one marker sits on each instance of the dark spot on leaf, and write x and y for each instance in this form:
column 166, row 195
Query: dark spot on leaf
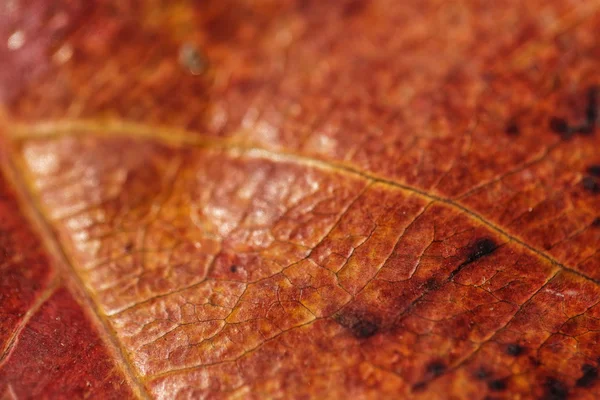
column 128, row 247
column 364, row 329
column 361, row 327
column 596, row 222
column 591, row 111
column 497, row 385
column 420, row 386
column 512, row 128
column 482, row 374
column 481, row 248
column 432, row 284
column 534, row 361
column 436, row 368
column 591, row 184
column 233, row 268
column 594, row 170
column 590, row 375
column 555, row 390
column 584, row 129
column 514, row 349
column 560, row 126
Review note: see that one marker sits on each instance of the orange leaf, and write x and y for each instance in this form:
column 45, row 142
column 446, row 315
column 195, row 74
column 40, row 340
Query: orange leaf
column 299, row 199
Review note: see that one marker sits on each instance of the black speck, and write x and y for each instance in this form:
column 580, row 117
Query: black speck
column 512, row 129
column 594, row 170
column 589, row 377
column 128, row 247
column 555, row 390
column 514, row 349
column 361, row 324
column 233, row 268
column 497, row 385
column 436, row 368
column 584, row 129
column 591, row 184
column 560, row 126
column 481, row 248
column 364, row 329
column 482, row 374
column 432, row 284
column 591, row 111
column 596, row 222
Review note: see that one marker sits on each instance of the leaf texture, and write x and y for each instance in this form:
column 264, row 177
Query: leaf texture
column 300, row 199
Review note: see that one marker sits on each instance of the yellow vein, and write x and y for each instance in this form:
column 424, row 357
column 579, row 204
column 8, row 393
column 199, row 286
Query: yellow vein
column 114, row 128
column 51, row 243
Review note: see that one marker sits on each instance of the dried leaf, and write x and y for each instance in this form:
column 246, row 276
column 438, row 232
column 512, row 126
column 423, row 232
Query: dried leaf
column 299, row 199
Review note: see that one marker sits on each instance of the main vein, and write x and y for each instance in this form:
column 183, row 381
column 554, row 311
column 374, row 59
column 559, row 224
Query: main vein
column 181, row 137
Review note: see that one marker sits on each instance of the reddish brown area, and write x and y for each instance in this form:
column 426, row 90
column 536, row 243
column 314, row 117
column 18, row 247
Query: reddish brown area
column 24, row 270
column 48, row 347
column 301, row 199
column 59, row 355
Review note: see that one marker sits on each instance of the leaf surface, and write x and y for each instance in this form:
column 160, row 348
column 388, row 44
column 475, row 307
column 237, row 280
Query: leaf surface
column 300, row 199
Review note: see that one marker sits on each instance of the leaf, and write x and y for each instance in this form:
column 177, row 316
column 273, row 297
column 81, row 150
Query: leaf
column 299, row 199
